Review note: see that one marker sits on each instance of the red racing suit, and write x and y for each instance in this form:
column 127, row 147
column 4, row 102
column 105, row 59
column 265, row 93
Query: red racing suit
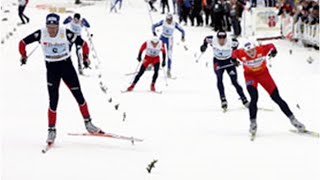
column 255, row 68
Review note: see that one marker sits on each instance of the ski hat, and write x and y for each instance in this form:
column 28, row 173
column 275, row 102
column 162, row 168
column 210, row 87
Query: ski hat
column 169, row 16
column 155, row 39
column 248, row 44
column 77, row 16
column 221, row 34
column 52, row 19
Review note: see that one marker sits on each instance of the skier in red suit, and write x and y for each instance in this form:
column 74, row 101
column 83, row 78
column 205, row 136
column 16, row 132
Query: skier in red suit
column 153, row 48
column 256, row 72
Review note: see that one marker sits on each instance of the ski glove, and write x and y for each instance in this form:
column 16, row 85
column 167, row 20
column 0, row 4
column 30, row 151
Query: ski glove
column 23, row 60
column 203, row 48
column 235, row 62
column 139, row 58
column 163, row 60
column 163, row 63
column 273, row 53
column 86, row 61
column 155, row 34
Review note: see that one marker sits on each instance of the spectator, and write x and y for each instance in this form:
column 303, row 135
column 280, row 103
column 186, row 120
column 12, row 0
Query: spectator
column 208, row 11
column 195, row 13
column 164, row 4
column 185, row 10
column 235, row 14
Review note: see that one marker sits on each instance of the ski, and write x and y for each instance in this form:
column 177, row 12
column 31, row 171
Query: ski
column 47, row 148
column 252, row 136
column 306, row 132
column 224, row 110
column 130, row 74
column 172, row 78
column 108, row 135
column 125, row 91
column 156, row 92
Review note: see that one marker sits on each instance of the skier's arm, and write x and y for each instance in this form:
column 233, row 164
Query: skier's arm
column 177, row 26
column 235, row 55
column 28, row 40
column 67, row 20
column 206, row 40
column 73, row 38
column 270, row 50
column 85, row 23
column 142, row 48
column 154, row 26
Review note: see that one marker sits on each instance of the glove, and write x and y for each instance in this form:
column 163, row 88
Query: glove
column 163, row 63
column 235, row 62
column 203, row 48
column 182, row 39
column 154, row 33
column 273, row 53
column 86, row 61
column 163, row 60
column 23, row 60
column 139, row 58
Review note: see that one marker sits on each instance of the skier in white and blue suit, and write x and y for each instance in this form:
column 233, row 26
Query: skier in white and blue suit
column 168, row 27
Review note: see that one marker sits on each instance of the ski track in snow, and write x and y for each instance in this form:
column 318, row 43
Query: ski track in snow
column 184, row 128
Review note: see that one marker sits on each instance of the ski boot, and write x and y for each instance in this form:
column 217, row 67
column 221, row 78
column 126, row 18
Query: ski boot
column 131, row 87
column 300, row 127
column 92, row 129
column 153, row 88
column 81, row 71
column 169, row 75
column 245, row 102
column 224, row 104
column 52, row 133
column 253, row 127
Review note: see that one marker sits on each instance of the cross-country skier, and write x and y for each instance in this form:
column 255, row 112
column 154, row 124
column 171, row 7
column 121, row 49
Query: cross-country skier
column 223, row 46
column 256, row 72
column 152, row 50
column 56, row 43
column 168, row 27
column 75, row 25
column 151, row 4
column 22, row 6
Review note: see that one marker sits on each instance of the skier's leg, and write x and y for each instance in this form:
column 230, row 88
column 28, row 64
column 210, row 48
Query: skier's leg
column 286, row 110
column 253, row 108
column 140, row 73
column 169, row 48
column 234, row 79
column 71, row 79
column 53, row 82
column 156, row 72
column 219, row 75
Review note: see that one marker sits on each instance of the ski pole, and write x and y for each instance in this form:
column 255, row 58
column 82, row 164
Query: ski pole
column 165, row 76
column 197, row 60
column 33, row 50
column 225, row 66
column 136, row 71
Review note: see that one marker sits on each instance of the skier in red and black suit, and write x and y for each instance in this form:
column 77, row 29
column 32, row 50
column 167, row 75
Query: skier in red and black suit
column 256, row 72
column 153, row 48
column 56, row 44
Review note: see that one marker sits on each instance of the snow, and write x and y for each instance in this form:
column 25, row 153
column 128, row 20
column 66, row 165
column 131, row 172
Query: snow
column 184, row 128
